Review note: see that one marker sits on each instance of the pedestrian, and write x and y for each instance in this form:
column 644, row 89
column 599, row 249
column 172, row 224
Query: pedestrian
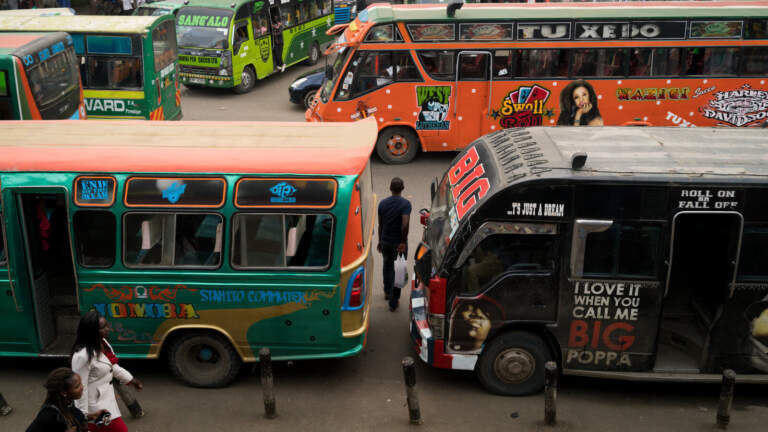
column 93, row 357
column 394, row 216
column 277, row 40
column 5, row 409
column 58, row 413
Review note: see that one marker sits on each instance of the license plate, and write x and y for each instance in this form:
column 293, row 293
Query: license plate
column 197, row 80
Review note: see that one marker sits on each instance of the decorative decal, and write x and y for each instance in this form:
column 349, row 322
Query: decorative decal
column 173, row 192
column 362, row 111
column 536, row 209
column 738, row 107
column 652, row 94
column 435, row 104
column 678, row 120
column 706, row 199
column 578, row 105
column 468, row 182
column 147, row 310
column 283, row 193
column 265, row 48
column 524, row 107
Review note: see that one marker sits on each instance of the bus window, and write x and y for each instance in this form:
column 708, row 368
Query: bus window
column 499, row 254
column 625, row 249
column 308, row 240
column 439, row 64
column 754, row 243
column 755, row 59
column 114, row 72
column 502, row 64
column 287, row 14
column 667, row 61
column 260, row 23
column 405, row 68
column 53, row 78
column 241, row 35
column 542, row 63
column 473, row 67
column 2, row 242
column 598, row 62
column 381, row 33
column 640, row 61
column 712, row 61
column 164, row 45
column 370, row 70
column 303, row 11
column 172, row 240
column 756, row 29
column 5, row 101
column 315, row 8
column 95, row 238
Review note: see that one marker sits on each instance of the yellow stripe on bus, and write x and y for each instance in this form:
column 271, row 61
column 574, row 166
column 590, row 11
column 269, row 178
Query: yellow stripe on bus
column 113, row 94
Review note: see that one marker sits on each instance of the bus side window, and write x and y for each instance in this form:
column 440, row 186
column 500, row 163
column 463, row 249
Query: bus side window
column 502, row 64
column 172, row 240
column 542, row 63
column 473, row 67
column 164, row 45
column 95, row 238
column 755, row 59
column 625, row 250
column 640, row 62
column 405, row 68
column 241, row 35
column 667, row 61
column 5, row 100
column 260, row 23
column 754, row 243
column 308, row 240
column 3, row 258
column 439, row 65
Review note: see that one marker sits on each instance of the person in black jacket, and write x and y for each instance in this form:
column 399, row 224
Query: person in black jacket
column 277, row 40
column 58, row 413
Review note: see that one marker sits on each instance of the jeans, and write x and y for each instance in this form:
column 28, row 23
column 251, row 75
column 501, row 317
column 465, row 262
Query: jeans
column 390, row 254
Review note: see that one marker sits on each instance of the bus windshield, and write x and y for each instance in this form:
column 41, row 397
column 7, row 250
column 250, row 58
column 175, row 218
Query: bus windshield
column 150, row 11
column 53, row 80
column 338, row 63
column 203, row 27
column 440, row 225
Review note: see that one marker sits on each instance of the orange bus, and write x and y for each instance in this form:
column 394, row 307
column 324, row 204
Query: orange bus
column 438, row 77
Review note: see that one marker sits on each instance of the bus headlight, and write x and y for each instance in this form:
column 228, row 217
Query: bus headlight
column 223, row 72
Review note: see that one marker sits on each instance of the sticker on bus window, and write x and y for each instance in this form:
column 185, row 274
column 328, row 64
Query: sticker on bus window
column 175, row 192
column 283, row 192
column 432, row 32
column 95, row 191
column 487, row 31
column 715, row 29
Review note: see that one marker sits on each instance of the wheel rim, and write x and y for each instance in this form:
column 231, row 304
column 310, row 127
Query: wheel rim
column 514, row 365
column 204, row 357
column 308, row 100
column 315, row 53
column 397, row 145
column 246, row 79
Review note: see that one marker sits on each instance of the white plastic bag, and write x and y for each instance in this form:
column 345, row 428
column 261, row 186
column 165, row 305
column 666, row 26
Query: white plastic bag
column 401, row 272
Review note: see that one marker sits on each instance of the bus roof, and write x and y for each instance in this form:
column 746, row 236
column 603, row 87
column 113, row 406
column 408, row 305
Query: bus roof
column 81, row 23
column 672, row 153
column 219, row 4
column 187, row 147
column 385, row 12
column 39, row 11
column 10, row 41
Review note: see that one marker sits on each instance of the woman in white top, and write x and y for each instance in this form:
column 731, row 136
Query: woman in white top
column 94, row 360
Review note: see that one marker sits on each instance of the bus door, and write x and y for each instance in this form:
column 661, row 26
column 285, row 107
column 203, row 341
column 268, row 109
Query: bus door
column 165, row 75
column 701, row 276
column 43, row 269
column 15, row 334
column 471, row 98
column 263, row 42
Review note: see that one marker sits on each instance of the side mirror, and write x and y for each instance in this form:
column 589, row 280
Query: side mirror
column 328, row 72
column 291, row 244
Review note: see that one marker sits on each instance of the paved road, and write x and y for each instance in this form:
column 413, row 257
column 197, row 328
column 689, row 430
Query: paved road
column 366, row 393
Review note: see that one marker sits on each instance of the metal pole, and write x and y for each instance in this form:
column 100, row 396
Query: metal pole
column 726, row 399
column 129, row 399
column 550, row 393
column 409, row 373
column 267, row 383
column 5, row 409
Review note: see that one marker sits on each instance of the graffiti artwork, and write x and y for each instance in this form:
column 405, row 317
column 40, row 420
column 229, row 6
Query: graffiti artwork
column 471, row 321
column 435, row 103
column 653, row 94
column 738, row 107
column 147, row 310
column 524, row 106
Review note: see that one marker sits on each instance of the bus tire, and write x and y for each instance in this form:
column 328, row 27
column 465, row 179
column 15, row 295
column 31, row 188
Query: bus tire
column 204, row 359
column 512, row 364
column 247, row 81
column 314, row 54
column 397, row 145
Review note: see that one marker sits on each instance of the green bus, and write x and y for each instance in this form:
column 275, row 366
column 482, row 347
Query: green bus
column 200, row 251
column 39, row 77
column 128, row 65
column 229, row 43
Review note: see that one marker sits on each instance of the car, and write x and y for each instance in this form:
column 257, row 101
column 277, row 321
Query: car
column 303, row 89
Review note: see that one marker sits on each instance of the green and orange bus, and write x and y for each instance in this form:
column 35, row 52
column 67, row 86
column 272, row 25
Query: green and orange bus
column 39, row 77
column 437, row 77
column 128, row 64
column 195, row 247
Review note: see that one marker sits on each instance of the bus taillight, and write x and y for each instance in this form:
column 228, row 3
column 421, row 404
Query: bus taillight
column 356, row 294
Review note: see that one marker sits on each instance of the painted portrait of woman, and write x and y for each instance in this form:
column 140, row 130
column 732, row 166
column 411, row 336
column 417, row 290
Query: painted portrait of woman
column 578, row 105
column 471, row 322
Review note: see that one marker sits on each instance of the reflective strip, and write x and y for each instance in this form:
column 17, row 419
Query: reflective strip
column 113, row 94
column 417, row 302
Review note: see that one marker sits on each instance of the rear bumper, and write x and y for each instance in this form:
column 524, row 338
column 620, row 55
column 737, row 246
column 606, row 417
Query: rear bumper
column 429, row 349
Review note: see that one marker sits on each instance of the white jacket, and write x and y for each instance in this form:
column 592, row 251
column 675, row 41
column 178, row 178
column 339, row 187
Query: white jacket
column 97, row 375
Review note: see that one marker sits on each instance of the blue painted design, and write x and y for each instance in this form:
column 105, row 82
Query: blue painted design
column 94, row 190
column 283, row 193
column 173, row 192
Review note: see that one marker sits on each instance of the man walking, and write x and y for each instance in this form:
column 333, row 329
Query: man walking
column 394, row 215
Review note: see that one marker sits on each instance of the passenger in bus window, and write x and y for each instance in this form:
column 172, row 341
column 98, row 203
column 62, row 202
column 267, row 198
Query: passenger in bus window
column 640, row 62
column 578, row 105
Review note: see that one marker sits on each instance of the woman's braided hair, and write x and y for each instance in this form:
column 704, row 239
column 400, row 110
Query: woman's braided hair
column 58, row 383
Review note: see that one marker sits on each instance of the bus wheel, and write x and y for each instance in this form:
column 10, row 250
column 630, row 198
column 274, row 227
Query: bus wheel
column 314, row 54
column 247, row 81
column 397, row 145
column 513, row 364
column 204, row 359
